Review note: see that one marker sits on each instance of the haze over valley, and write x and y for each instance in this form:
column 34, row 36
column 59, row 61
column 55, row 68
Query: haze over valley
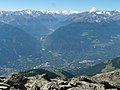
column 66, row 40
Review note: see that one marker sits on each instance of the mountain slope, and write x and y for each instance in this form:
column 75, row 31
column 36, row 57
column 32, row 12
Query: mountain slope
column 15, row 43
column 30, row 25
column 51, row 73
column 84, row 37
column 106, row 66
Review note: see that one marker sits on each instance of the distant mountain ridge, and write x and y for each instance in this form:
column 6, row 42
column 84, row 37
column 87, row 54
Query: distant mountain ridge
column 37, row 14
column 51, row 19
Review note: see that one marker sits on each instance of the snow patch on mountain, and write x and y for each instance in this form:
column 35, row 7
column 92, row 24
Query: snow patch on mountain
column 103, row 12
column 92, row 10
column 99, row 12
column 28, row 11
column 64, row 12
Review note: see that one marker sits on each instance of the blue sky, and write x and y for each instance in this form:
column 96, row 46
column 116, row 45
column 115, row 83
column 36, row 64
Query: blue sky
column 80, row 5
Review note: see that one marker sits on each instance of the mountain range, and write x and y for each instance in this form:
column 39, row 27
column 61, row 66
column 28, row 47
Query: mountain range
column 58, row 39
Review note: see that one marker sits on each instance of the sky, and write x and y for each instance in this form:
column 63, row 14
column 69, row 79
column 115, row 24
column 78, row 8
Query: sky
column 44, row 5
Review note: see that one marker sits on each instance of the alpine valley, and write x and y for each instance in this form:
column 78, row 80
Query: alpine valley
column 62, row 42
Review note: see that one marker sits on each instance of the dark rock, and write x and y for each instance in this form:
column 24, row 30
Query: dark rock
column 17, row 80
column 46, row 77
column 2, row 79
column 107, row 85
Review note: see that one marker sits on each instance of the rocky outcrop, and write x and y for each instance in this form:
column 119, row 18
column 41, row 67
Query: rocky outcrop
column 104, row 81
column 110, row 79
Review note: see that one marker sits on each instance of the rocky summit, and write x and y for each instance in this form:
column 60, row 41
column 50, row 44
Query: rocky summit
column 103, row 81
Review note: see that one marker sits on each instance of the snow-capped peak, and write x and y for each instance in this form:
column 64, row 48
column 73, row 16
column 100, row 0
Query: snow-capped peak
column 99, row 12
column 103, row 12
column 1, row 12
column 64, row 12
column 92, row 10
column 28, row 11
column 107, row 12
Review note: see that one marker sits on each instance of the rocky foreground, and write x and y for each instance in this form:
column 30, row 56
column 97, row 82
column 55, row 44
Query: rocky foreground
column 104, row 81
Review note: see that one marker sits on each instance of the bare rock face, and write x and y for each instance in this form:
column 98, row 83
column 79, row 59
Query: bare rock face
column 104, row 81
column 37, row 82
column 2, row 79
column 110, row 80
column 16, row 81
column 4, row 86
